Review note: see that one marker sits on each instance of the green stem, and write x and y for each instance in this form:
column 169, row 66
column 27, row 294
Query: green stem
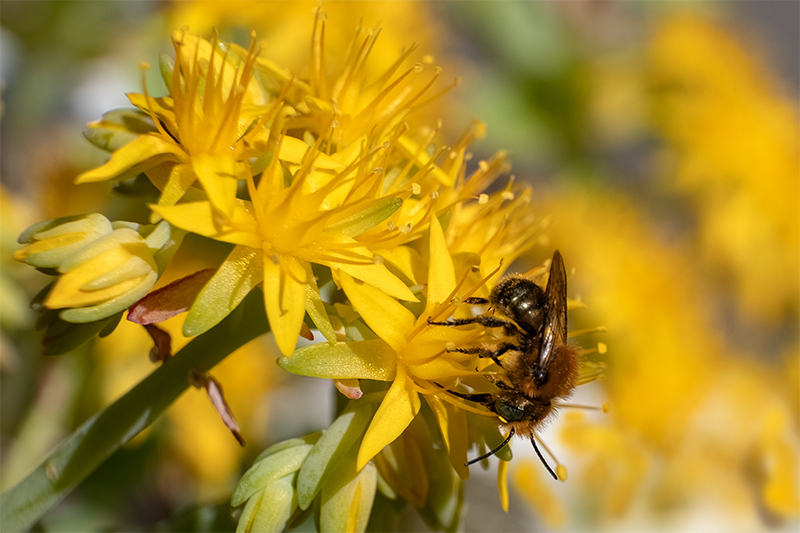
column 91, row 444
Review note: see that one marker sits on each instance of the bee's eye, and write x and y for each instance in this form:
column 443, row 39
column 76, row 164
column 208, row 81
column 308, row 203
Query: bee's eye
column 539, row 377
column 507, row 411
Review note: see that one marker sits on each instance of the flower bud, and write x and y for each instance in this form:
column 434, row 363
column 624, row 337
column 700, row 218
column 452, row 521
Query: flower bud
column 50, row 242
column 104, row 278
column 103, row 267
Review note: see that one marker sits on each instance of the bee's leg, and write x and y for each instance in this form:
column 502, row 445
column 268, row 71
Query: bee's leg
column 509, row 328
column 501, row 348
column 502, row 384
column 475, row 301
column 484, row 398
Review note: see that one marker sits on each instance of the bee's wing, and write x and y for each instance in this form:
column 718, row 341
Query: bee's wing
column 554, row 333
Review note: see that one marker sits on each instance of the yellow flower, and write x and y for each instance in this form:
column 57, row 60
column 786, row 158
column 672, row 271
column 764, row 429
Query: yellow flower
column 377, row 106
column 280, row 233
column 407, row 352
column 287, row 29
column 201, row 132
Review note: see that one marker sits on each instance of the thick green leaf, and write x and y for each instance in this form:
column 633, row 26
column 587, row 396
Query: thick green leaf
column 62, row 336
column 117, row 128
column 267, row 470
column 283, row 445
column 234, row 280
column 359, row 218
column 371, row 359
column 199, row 520
column 338, row 440
column 315, row 307
column 91, row 444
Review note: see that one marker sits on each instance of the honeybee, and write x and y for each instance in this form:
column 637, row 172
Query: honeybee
column 540, row 367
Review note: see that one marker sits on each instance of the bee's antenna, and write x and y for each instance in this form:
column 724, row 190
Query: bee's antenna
column 547, row 466
column 484, row 456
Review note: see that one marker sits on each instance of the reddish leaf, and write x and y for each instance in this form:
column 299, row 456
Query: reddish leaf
column 306, row 333
column 162, row 343
column 214, row 390
column 170, row 300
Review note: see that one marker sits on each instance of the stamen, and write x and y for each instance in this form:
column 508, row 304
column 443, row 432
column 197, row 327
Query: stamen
column 587, row 331
column 317, row 60
column 144, row 67
column 589, row 372
column 584, row 407
column 456, row 83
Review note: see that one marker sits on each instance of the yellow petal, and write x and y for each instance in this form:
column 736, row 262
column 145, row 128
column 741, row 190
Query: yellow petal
column 441, row 273
column 198, row 217
column 396, row 412
column 378, row 276
column 293, row 150
column 163, row 108
column 180, row 179
column 285, row 299
column 144, row 152
column 382, row 313
column 219, row 178
column 407, row 260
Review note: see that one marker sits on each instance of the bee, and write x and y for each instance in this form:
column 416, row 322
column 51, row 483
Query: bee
column 540, row 367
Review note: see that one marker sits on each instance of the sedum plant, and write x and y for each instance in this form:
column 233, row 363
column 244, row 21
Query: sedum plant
column 342, row 219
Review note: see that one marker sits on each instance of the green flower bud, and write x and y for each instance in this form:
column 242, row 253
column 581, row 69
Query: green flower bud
column 103, row 267
column 52, row 241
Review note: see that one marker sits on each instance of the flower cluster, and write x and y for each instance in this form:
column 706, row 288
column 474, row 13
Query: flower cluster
column 352, row 223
